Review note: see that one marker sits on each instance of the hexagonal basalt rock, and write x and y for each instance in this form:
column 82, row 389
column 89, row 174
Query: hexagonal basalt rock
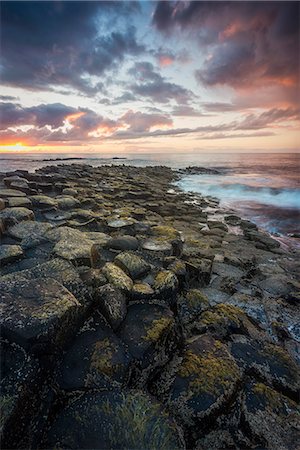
column 190, row 305
column 112, row 304
column 198, row 271
column 117, row 277
column 272, row 418
column 223, row 320
column 135, row 266
column 67, row 202
column 148, row 331
column 10, row 253
column 43, row 202
column 96, row 358
column 205, row 379
column 12, row 216
column 114, row 420
column 271, row 362
column 166, row 285
column 19, row 386
column 11, row 193
column 18, row 201
column 23, row 230
column 123, row 243
column 38, row 315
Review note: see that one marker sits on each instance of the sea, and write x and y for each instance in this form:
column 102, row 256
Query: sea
column 261, row 187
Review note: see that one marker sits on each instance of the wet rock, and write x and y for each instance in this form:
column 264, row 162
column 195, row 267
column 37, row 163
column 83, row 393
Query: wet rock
column 168, row 234
column 2, row 204
column 70, row 191
column 271, row 362
column 117, row 277
column 125, row 225
column 11, row 216
column 157, row 249
column 224, row 320
column 146, row 330
column 19, row 386
column 112, row 304
column 97, row 358
column 135, row 266
column 29, row 229
column 38, row 315
column 123, row 243
column 272, row 418
column 263, row 241
column 205, row 380
column 114, row 420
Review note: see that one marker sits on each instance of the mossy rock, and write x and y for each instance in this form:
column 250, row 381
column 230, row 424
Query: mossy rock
column 166, row 284
column 271, row 417
column 223, row 320
column 190, row 305
column 135, row 266
column 20, row 384
column 4, row 193
column 127, row 420
column 13, row 202
column 43, row 202
column 205, row 380
column 10, row 253
column 146, row 330
column 40, row 315
column 12, row 216
column 270, row 361
column 142, row 291
column 117, row 277
column 111, row 302
column 58, row 269
column 97, row 358
column 198, row 271
column 30, row 228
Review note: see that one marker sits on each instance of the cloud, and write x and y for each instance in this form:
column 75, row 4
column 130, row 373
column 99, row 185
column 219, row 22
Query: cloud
column 154, row 86
column 248, row 44
column 63, row 45
column 53, row 115
column 140, row 122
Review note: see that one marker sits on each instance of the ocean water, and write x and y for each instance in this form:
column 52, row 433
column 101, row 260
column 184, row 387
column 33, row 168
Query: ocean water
column 264, row 188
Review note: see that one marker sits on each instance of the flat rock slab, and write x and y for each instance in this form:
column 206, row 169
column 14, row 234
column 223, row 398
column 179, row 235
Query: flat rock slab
column 43, row 201
column 58, row 269
column 97, row 358
column 123, row 243
column 18, row 201
column 10, row 253
column 26, row 229
column 11, row 193
column 271, row 417
column 114, row 420
column 145, row 327
column 206, row 378
column 37, row 312
column 135, row 266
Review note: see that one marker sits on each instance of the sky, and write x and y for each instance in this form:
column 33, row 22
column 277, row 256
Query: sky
column 171, row 76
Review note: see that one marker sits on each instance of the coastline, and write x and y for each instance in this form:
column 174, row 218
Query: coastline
column 168, row 280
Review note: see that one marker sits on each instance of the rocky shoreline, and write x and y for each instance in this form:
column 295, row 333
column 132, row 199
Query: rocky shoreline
column 133, row 316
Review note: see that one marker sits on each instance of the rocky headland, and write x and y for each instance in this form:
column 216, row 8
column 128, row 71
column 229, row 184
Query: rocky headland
column 136, row 316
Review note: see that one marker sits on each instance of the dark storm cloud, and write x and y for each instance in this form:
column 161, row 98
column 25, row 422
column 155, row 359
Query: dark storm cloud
column 248, row 43
column 154, row 86
column 58, row 43
column 13, row 115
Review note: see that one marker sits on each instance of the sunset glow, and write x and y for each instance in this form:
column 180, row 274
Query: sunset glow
column 168, row 76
